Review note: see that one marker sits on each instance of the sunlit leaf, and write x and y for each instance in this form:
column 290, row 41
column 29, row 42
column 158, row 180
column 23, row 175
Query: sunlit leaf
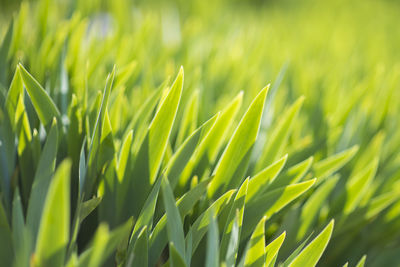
column 53, row 232
column 310, row 255
column 238, row 146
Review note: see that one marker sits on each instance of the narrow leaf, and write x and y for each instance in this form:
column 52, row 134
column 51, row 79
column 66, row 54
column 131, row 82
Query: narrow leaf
column 238, row 146
column 212, row 255
column 259, row 183
column 237, row 209
column 313, row 205
column 255, row 253
column 53, row 233
column 200, row 226
column 271, row 251
column 361, row 263
column 176, row 259
column 329, row 165
column 270, row 203
column 44, row 106
column 174, row 221
column 311, row 254
column 159, row 238
column 140, row 250
column 42, row 179
column 161, row 126
column 231, row 253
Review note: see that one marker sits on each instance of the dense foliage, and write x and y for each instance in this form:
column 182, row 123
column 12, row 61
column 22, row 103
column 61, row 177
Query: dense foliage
column 110, row 155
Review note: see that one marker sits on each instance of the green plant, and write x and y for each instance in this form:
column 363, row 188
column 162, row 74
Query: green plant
column 150, row 172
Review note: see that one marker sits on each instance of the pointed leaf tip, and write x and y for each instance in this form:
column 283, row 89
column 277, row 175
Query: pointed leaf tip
column 310, row 255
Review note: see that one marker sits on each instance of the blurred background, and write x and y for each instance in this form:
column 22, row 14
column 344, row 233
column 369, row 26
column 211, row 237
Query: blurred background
column 343, row 56
column 338, row 54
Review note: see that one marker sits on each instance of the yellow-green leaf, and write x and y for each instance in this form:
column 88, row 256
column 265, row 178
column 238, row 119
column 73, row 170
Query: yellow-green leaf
column 311, row 254
column 255, row 252
column 161, row 126
column 54, row 229
column 238, row 147
column 270, row 203
column 272, row 249
column 44, row 105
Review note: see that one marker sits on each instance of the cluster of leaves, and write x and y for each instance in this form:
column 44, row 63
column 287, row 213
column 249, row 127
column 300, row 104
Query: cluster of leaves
column 149, row 172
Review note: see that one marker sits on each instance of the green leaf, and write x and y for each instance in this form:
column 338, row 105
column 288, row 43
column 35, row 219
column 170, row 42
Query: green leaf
column 19, row 21
column 124, row 156
column 311, row 254
column 140, row 250
column 87, row 207
column 237, row 208
column 125, row 73
column 231, row 253
column 185, row 204
column 189, row 119
column 161, row 126
column 42, row 180
column 95, row 142
column 24, row 149
column 279, row 136
column 295, row 253
column 82, row 168
column 73, row 261
column 106, row 150
column 200, row 226
column 212, row 255
column 21, row 242
column 361, row 262
column 293, row 175
column 314, row 204
column 255, row 252
column 238, row 147
column 53, row 233
column 212, row 140
column 5, row 49
column 149, row 157
column 99, row 247
column 174, row 221
column 6, row 251
column 270, row 203
column 180, row 159
column 188, row 248
column 104, row 244
column 259, row 183
column 364, row 214
column 369, row 153
column 272, row 249
column 13, row 94
column 74, row 134
column 176, row 259
column 356, row 186
column 138, row 123
column 7, row 136
column 82, row 210
column 221, row 129
column 329, row 165
column 145, row 218
column 44, row 106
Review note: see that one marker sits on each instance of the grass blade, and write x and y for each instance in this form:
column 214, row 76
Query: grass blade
column 44, row 106
column 238, row 147
column 311, row 254
column 53, row 233
column 255, row 254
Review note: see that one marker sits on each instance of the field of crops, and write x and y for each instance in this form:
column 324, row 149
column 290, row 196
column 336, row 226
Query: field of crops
column 199, row 133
